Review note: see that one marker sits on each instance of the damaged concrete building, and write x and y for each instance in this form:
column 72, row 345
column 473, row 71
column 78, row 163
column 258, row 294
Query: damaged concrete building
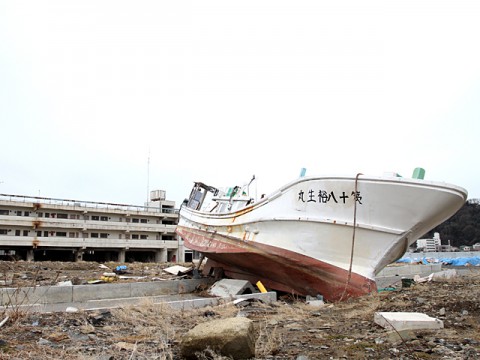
column 40, row 228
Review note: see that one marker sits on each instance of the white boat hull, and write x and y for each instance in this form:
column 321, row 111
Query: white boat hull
column 326, row 236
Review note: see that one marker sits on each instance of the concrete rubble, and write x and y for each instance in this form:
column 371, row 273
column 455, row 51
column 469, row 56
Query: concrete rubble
column 231, row 287
column 407, row 321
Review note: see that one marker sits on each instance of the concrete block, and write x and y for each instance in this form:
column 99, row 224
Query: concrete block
column 36, row 295
column 153, row 288
column 58, row 294
column 193, row 303
column 267, row 297
column 231, row 287
column 407, row 321
column 83, row 293
column 190, row 285
column 21, row 296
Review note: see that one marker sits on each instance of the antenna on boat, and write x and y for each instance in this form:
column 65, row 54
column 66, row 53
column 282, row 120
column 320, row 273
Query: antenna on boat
column 148, row 175
column 248, row 186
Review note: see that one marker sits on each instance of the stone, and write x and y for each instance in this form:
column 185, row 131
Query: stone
column 232, row 337
column 396, row 337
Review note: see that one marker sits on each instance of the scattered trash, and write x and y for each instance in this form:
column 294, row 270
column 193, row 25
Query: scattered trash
column 177, row 270
column 71, row 309
column 93, row 282
column 315, row 301
column 406, row 283
column 109, row 277
column 4, row 321
column 446, row 274
column 65, row 283
column 261, row 287
column 130, row 277
column 386, row 289
column 121, row 269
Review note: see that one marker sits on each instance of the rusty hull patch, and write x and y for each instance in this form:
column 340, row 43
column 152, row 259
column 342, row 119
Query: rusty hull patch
column 277, row 268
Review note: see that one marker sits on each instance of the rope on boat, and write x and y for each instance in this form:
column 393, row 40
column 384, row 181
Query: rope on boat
column 353, row 239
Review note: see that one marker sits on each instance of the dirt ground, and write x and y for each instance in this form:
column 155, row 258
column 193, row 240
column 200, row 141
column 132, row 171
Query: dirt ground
column 287, row 329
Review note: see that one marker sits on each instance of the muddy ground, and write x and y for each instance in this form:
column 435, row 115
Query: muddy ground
column 287, row 329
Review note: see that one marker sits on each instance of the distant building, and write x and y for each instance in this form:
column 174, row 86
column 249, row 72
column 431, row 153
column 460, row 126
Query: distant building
column 39, row 228
column 476, row 247
column 430, row 245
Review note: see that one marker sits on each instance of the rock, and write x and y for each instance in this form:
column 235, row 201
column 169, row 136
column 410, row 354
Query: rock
column 396, row 337
column 229, row 337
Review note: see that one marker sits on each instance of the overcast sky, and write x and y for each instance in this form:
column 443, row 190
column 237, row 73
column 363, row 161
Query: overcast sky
column 105, row 100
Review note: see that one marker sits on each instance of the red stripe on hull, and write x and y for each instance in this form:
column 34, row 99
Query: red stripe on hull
column 275, row 267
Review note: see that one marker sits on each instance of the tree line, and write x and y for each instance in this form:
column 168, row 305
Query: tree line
column 463, row 228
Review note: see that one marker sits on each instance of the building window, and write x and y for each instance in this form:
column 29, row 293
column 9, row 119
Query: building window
column 135, row 220
column 19, row 213
column 144, row 237
column 47, row 215
column 4, row 212
column 143, row 221
column 94, row 235
column 3, row 231
column 127, row 236
column 17, row 232
column 72, row 234
column 61, row 233
column 45, row 234
column 103, row 218
column 25, row 232
column 39, row 233
column 26, row 213
column 103, row 235
column 95, row 217
column 62, row 216
column 134, row 236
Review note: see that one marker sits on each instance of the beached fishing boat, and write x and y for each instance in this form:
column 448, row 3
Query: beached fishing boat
column 314, row 236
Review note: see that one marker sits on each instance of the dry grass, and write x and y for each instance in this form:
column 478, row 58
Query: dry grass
column 269, row 341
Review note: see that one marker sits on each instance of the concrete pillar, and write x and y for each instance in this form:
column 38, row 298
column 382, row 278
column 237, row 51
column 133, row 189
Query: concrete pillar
column 181, row 254
column 121, row 256
column 30, row 255
column 78, row 255
column 161, row 256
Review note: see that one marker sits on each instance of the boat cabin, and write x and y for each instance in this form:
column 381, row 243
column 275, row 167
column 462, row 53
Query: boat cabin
column 210, row 199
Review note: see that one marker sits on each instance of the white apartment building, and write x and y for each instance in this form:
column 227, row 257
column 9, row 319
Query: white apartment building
column 39, row 228
column 430, row 245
